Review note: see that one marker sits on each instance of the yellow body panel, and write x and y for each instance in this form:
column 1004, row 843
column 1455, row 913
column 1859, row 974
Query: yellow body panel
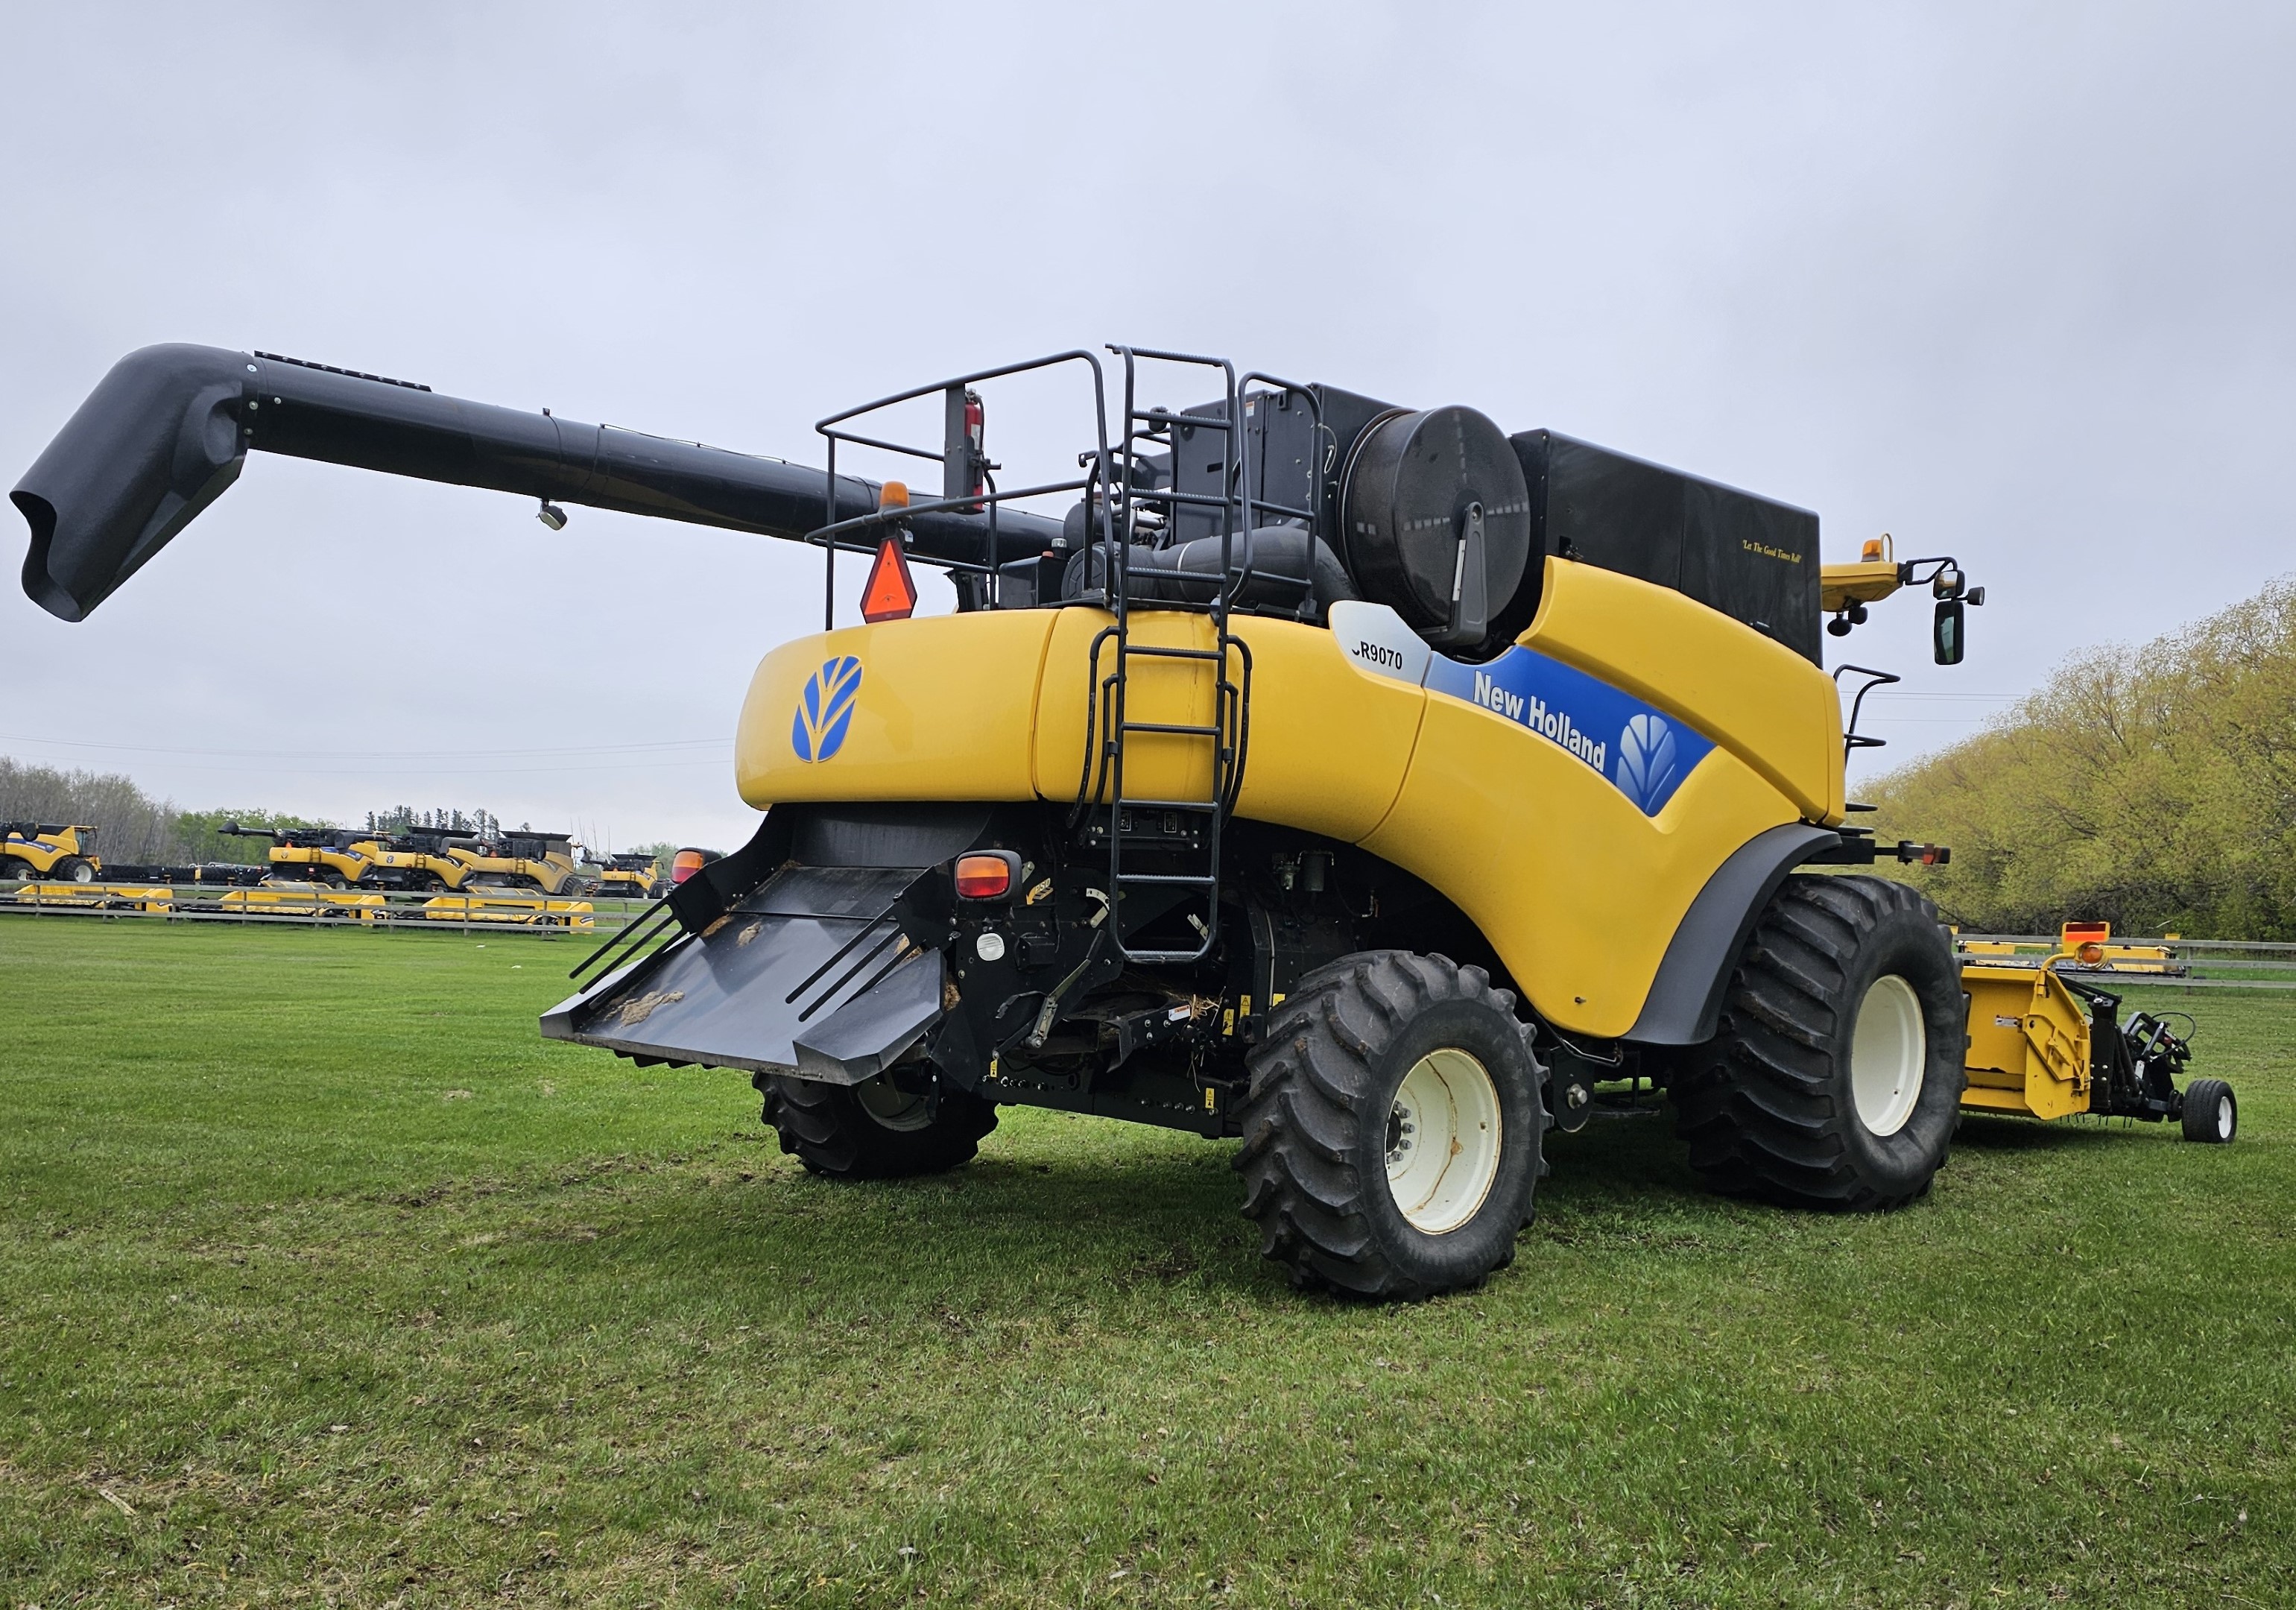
column 445, row 869
column 2029, row 1041
column 349, row 865
column 1772, row 708
column 943, row 712
column 1577, row 890
column 1329, row 744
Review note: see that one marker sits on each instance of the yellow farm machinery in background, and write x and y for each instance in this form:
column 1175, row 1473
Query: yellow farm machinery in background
column 325, row 873
column 37, row 849
column 632, row 875
column 427, row 860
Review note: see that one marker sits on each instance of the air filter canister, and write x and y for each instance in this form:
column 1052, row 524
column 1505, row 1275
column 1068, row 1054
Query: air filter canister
column 1436, row 521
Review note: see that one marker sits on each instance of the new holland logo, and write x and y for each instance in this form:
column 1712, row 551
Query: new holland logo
column 1650, row 761
column 825, row 711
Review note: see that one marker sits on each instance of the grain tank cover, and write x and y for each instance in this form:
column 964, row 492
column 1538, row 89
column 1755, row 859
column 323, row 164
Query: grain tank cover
column 1754, row 560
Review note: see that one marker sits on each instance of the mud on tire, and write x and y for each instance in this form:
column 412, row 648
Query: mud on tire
column 874, row 1132
column 1328, row 1136
column 1835, row 1076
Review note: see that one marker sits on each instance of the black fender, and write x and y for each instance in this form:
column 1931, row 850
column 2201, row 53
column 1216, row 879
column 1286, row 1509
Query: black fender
column 1685, row 1003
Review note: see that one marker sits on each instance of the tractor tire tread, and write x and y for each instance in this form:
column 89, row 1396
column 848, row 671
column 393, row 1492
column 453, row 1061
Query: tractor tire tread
column 1301, row 1159
column 1760, row 1116
column 826, row 1127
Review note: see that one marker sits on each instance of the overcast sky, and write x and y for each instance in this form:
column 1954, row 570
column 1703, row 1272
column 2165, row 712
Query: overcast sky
column 2011, row 282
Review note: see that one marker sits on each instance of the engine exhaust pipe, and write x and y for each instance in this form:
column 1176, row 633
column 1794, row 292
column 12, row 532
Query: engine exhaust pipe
column 169, row 430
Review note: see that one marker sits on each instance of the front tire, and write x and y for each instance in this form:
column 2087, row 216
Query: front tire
column 1391, row 1135
column 875, row 1130
column 1835, row 1077
column 72, row 869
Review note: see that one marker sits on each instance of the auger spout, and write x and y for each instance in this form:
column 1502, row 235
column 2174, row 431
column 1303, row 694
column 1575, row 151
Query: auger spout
column 168, row 430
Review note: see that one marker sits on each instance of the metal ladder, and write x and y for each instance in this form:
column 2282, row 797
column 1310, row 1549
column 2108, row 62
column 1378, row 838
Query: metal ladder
column 1225, row 728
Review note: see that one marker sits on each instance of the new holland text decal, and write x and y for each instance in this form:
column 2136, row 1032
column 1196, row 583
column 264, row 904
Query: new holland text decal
column 1644, row 754
column 825, row 711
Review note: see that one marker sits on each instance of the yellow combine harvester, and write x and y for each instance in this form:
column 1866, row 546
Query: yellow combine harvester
column 417, row 859
column 547, row 862
column 632, row 875
column 1363, row 784
column 38, row 849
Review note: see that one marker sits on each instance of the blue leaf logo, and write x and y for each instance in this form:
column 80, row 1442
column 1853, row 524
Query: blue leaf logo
column 1649, row 763
column 825, row 711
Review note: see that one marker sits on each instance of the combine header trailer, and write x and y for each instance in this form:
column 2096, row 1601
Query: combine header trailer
column 1362, row 783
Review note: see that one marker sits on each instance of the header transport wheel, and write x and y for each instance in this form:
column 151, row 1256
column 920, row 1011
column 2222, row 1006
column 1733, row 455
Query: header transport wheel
column 875, row 1130
column 1391, row 1136
column 2211, row 1114
column 1836, row 1074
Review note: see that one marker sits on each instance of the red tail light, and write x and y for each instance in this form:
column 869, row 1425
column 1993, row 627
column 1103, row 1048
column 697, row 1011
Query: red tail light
column 985, row 876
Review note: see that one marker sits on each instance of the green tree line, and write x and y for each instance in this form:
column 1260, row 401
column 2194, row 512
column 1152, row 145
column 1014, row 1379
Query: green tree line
column 2151, row 787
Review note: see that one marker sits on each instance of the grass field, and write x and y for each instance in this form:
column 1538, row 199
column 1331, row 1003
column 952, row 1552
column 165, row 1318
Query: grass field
column 326, row 1280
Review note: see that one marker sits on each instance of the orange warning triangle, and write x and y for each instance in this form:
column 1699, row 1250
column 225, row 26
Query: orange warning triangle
column 891, row 593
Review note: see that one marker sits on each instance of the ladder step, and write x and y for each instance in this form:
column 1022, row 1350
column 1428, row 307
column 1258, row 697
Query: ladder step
column 1177, row 728
column 1199, row 880
column 1153, row 652
column 1157, row 958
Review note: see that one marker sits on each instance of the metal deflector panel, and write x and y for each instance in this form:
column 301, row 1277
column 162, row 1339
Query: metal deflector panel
column 814, row 959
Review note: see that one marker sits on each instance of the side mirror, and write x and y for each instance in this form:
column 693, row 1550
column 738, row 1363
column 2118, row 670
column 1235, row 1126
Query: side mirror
column 1945, row 632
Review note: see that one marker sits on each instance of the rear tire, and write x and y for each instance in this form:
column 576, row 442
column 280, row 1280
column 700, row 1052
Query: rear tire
column 1835, row 1077
column 2211, row 1114
column 1392, row 1132
column 875, row 1131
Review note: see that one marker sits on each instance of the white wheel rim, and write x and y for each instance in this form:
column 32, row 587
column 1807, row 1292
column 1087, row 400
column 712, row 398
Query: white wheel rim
column 1443, row 1141
column 2224, row 1118
column 892, row 1107
column 1889, row 1055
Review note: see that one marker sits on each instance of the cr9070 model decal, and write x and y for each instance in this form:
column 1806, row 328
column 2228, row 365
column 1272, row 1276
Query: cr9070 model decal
column 1644, row 754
